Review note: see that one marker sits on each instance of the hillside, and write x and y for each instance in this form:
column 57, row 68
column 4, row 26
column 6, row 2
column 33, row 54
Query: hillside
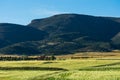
column 14, row 33
column 64, row 34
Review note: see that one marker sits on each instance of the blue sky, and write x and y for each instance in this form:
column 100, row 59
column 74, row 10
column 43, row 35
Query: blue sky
column 23, row 11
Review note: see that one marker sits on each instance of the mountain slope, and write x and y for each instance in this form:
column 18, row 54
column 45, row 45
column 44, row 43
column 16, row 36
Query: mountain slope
column 13, row 33
column 114, row 19
column 57, row 48
column 116, row 41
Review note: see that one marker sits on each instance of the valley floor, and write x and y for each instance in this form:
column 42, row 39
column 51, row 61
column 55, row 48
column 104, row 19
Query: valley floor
column 81, row 69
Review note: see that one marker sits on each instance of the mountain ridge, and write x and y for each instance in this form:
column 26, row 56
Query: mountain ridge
column 68, row 33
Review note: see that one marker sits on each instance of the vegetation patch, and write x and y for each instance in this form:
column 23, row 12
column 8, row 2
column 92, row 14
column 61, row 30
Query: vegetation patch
column 49, row 62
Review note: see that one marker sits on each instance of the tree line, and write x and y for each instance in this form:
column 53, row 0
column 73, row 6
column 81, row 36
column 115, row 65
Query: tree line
column 18, row 58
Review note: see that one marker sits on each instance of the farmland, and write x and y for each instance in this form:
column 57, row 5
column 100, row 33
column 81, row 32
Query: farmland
column 100, row 68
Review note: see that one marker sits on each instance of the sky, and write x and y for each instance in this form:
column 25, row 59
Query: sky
column 23, row 11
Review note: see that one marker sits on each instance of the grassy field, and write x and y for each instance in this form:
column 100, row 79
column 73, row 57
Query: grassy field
column 97, row 68
column 60, row 70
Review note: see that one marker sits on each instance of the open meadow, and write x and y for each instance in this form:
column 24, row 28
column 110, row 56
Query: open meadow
column 64, row 69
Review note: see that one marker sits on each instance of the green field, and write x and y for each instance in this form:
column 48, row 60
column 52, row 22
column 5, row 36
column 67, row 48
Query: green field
column 82, row 69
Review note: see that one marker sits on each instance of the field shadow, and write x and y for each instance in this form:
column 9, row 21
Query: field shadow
column 33, row 68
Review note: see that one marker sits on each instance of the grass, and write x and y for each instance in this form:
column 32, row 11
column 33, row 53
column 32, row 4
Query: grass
column 22, row 75
column 86, row 75
column 78, row 69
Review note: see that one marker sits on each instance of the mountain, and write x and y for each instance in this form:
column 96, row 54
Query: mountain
column 65, row 34
column 14, row 33
column 97, row 28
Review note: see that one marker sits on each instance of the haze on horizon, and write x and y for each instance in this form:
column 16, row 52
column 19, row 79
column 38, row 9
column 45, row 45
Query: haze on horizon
column 23, row 11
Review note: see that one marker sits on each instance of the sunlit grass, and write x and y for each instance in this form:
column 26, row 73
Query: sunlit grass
column 22, row 75
column 83, row 69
